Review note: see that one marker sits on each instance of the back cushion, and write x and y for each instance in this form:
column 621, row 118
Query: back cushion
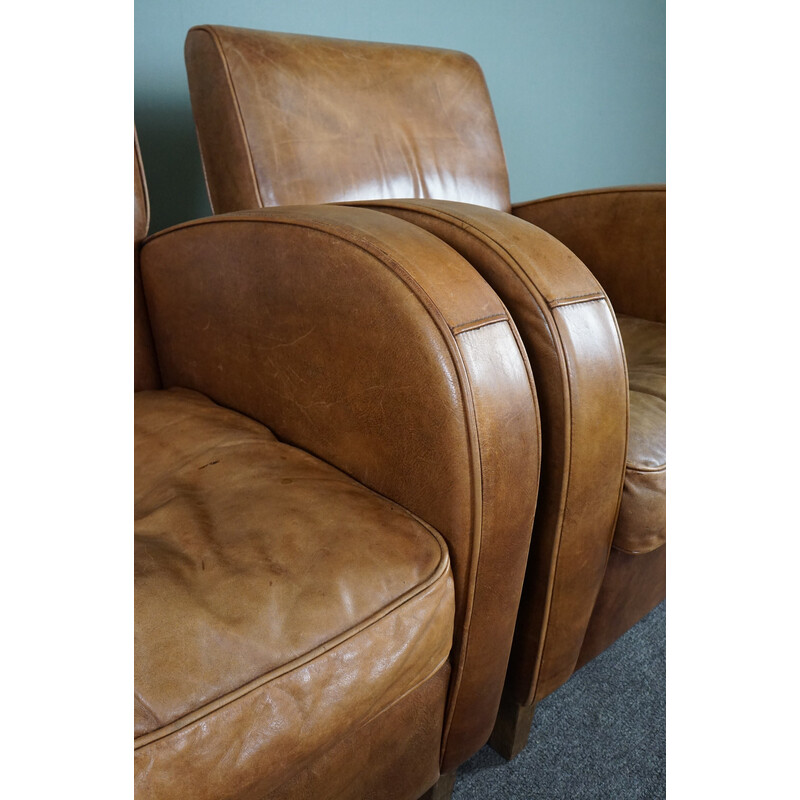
column 285, row 119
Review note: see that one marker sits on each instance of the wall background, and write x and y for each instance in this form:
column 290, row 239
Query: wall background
column 578, row 86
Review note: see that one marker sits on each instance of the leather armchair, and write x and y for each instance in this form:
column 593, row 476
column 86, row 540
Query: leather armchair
column 410, row 131
column 327, row 409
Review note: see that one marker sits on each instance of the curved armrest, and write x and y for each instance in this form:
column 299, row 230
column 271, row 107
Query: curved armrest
column 368, row 342
column 573, row 343
column 619, row 233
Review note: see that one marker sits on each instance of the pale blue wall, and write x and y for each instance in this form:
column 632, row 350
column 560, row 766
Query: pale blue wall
column 578, row 85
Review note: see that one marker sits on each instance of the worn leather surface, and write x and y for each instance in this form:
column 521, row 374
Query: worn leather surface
column 620, row 234
column 279, row 604
column 252, row 102
column 287, row 119
column 571, row 337
column 371, row 343
column 145, row 373
column 642, row 524
column 634, row 585
column 393, row 757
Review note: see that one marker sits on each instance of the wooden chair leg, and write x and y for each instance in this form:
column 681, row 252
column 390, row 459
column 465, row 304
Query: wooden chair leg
column 511, row 728
column 442, row 789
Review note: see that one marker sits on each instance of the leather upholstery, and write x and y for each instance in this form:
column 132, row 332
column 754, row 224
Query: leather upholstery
column 642, row 524
column 356, row 120
column 299, row 631
column 267, row 578
column 570, row 335
column 621, row 234
column 335, row 327
column 374, row 761
column 272, row 112
column 633, row 586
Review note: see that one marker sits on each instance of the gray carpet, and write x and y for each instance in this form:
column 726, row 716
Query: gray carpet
column 600, row 736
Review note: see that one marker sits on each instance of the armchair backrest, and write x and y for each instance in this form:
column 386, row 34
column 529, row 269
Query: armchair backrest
column 306, row 120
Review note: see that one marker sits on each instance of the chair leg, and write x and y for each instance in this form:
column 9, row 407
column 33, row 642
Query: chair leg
column 442, row 789
column 511, row 728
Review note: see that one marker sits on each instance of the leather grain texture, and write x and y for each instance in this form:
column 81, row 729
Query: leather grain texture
column 145, row 366
column 393, row 757
column 642, row 522
column 371, row 343
column 620, row 234
column 286, row 119
column 280, row 605
column 571, row 338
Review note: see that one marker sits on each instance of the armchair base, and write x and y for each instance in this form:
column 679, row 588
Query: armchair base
column 511, row 728
column 442, row 789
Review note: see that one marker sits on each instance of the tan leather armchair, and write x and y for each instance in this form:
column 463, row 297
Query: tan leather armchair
column 326, row 545
column 410, row 131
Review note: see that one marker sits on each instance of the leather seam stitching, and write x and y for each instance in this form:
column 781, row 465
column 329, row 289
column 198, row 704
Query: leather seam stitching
column 478, row 323
column 536, row 294
column 546, row 638
column 542, row 303
column 575, row 299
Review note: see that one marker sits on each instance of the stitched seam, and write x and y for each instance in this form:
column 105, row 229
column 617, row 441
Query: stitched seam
column 578, row 298
column 543, row 304
column 544, row 307
column 383, row 711
column 482, row 235
column 546, row 623
column 468, row 618
column 478, row 323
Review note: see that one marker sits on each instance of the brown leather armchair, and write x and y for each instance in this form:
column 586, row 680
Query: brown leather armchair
column 410, row 131
column 326, row 440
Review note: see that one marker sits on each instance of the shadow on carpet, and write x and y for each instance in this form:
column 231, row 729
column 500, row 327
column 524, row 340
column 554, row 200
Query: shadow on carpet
column 601, row 736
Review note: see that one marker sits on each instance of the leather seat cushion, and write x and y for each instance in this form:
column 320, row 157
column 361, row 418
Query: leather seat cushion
column 641, row 526
column 279, row 603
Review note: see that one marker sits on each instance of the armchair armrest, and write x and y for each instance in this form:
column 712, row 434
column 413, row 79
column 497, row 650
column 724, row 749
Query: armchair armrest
column 573, row 343
column 619, row 233
column 368, row 342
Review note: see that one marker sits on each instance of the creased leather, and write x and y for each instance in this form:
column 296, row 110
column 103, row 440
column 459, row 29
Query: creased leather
column 642, row 524
column 371, row 343
column 394, row 757
column 285, row 119
column 572, row 341
column 279, row 604
column 265, row 90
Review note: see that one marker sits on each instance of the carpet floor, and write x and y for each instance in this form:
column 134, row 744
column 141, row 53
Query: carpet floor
column 601, row 736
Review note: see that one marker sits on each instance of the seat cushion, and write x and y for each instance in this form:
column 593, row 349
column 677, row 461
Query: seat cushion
column 641, row 525
column 279, row 603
